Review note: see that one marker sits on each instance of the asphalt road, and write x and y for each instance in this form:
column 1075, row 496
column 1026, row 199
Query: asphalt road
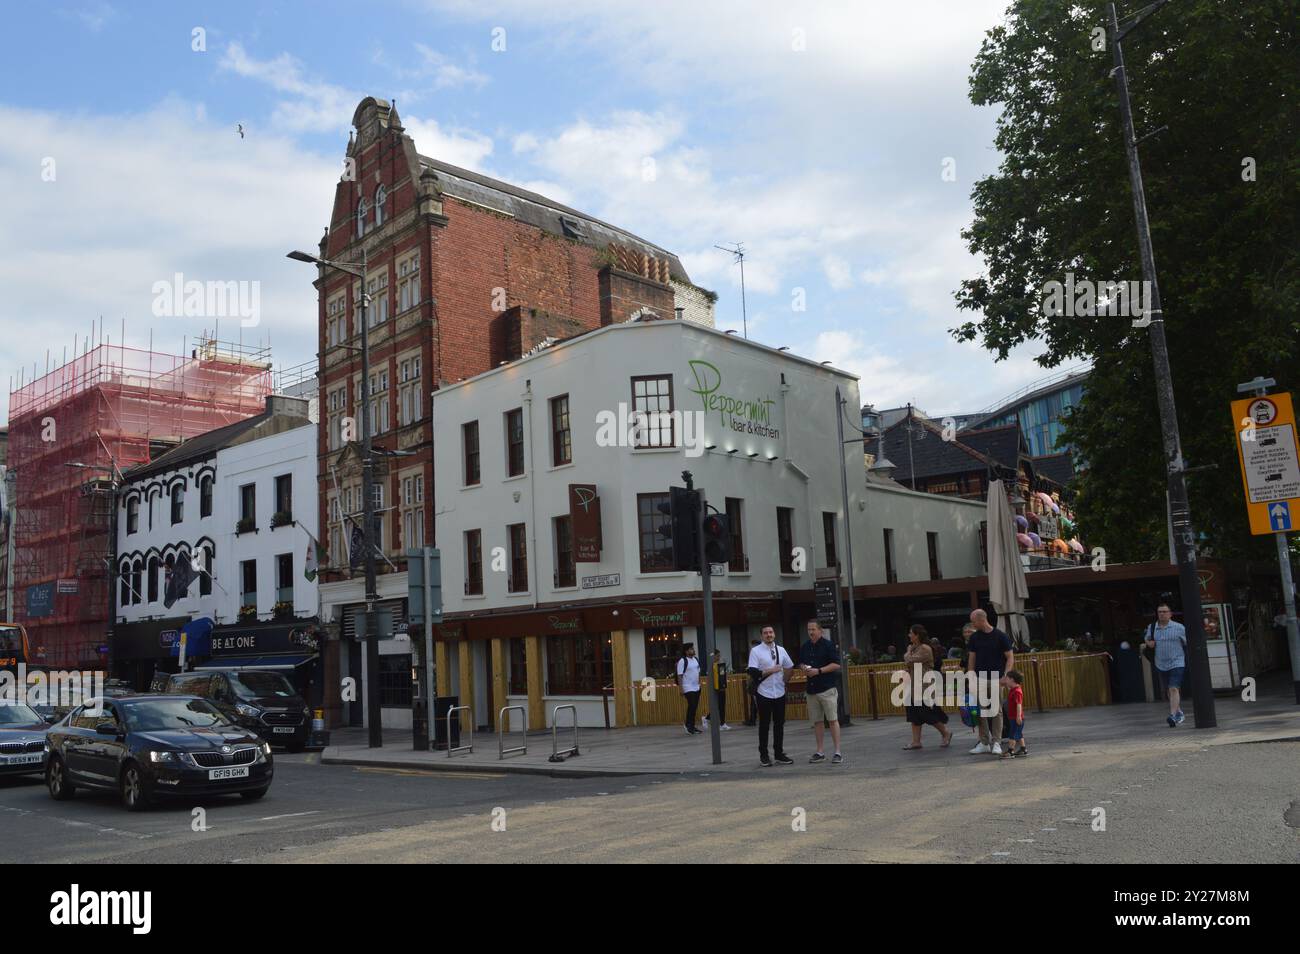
column 1229, row 803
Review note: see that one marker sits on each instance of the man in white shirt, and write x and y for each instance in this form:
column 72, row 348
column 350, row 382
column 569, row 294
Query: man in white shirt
column 688, row 680
column 769, row 663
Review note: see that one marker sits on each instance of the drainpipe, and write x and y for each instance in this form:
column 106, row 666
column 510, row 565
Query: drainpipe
column 532, row 488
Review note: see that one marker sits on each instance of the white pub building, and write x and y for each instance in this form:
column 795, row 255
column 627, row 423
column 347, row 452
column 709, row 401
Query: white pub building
column 557, row 583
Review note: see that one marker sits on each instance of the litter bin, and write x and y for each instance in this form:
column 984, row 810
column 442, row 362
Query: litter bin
column 441, row 706
column 1128, row 676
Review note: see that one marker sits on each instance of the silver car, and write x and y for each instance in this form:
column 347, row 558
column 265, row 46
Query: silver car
column 22, row 740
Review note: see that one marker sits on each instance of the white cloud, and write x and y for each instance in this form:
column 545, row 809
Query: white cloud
column 838, row 272
column 445, row 74
column 460, row 147
column 309, row 106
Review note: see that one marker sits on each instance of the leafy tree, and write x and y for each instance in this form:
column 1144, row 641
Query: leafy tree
column 1225, row 78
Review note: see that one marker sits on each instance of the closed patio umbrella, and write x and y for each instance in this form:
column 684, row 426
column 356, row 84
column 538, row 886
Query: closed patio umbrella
column 1007, row 588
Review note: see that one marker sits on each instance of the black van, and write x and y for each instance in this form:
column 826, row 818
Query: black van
column 257, row 699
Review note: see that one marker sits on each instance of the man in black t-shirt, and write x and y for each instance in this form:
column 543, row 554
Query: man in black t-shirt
column 820, row 661
column 989, row 656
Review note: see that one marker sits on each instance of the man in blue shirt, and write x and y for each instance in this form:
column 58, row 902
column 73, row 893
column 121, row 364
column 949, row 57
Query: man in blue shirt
column 820, row 661
column 1169, row 640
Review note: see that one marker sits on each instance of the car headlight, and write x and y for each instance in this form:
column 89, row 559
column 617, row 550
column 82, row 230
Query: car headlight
column 306, row 712
column 247, row 710
column 266, row 749
column 162, row 756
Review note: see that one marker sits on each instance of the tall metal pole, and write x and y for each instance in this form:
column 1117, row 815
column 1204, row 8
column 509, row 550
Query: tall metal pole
column 1288, row 599
column 1198, row 661
column 374, row 715
column 846, row 714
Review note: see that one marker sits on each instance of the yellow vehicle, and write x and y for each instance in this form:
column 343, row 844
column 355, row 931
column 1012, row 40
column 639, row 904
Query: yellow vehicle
column 14, row 648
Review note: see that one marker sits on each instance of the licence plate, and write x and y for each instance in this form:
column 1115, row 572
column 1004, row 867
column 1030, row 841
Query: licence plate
column 23, row 759
column 239, row 771
column 283, row 729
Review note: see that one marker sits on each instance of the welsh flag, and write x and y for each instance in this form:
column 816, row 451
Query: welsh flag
column 315, row 554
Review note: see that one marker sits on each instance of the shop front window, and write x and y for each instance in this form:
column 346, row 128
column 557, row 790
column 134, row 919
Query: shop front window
column 578, row 665
column 663, row 647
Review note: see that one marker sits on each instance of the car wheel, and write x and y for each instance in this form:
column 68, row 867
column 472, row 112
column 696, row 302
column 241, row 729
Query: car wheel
column 56, row 780
column 135, row 797
column 255, row 794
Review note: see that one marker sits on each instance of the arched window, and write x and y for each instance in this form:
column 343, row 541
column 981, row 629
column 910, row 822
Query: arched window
column 132, row 514
column 137, row 581
column 205, row 496
column 153, row 580
column 169, row 565
column 124, row 584
column 178, row 503
column 361, row 218
column 381, row 197
column 204, row 570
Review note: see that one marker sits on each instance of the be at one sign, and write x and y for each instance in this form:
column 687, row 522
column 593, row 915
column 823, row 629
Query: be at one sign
column 1270, row 467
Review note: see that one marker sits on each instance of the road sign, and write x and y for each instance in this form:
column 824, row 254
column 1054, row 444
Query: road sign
column 1270, row 467
column 1279, row 516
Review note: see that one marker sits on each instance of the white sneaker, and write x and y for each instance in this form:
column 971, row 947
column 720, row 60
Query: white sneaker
column 980, row 749
column 997, row 748
column 724, row 727
column 705, row 722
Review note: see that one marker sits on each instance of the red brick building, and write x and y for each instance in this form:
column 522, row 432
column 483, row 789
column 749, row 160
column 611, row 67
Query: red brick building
column 464, row 272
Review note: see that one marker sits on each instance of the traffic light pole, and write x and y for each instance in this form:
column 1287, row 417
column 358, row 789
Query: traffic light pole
column 706, row 640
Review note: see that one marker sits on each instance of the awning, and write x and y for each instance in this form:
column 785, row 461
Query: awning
column 256, row 662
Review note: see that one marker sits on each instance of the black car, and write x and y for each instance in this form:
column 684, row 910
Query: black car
column 257, row 699
column 22, row 740
column 155, row 746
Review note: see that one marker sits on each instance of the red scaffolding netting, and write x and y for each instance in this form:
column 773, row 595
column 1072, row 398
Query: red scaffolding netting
column 72, row 434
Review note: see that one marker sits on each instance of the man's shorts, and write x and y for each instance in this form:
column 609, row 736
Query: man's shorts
column 1016, row 731
column 1172, row 678
column 823, row 706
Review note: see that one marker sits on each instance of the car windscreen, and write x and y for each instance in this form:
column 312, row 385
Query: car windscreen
column 152, row 715
column 18, row 713
column 259, row 685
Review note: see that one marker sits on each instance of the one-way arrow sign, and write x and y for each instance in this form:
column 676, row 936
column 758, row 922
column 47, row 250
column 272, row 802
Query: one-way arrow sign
column 1279, row 516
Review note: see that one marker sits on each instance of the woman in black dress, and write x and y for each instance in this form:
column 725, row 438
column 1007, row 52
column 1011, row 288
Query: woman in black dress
column 919, row 659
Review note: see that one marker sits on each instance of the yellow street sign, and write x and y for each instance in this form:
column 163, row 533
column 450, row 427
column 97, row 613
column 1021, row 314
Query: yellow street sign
column 1270, row 466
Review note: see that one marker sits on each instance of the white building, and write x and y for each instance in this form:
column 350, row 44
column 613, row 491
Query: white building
column 528, row 451
column 239, row 505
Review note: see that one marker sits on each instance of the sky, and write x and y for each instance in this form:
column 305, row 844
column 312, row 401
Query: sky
column 143, row 140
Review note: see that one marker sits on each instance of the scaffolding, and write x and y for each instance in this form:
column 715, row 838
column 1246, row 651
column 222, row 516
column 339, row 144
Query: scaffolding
column 72, row 434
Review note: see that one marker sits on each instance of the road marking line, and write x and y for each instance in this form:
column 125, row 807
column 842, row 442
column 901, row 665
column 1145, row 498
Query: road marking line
column 1047, row 829
column 290, row 815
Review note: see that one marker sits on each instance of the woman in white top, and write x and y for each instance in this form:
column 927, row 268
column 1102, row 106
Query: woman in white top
column 688, row 680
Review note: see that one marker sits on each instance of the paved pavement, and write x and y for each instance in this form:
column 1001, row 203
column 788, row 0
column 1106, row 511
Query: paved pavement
column 667, row 750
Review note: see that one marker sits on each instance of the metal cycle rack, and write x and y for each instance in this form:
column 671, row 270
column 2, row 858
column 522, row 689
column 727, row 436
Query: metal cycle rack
column 460, row 748
column 502, row 751
column 558, row 755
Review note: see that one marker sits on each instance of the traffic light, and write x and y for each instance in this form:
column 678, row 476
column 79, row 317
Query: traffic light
column 682, row 528
column 717, row 538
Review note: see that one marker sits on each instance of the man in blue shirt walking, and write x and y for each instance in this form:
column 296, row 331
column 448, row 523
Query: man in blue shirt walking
column 1169, row 640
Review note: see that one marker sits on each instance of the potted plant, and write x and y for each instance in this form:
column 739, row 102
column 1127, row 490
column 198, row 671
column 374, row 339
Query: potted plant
column 247, row 612
column 281, row 518
column 282, row 609
column 245, row 525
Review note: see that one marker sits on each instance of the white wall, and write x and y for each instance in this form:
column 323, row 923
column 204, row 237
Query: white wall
column 259, row 462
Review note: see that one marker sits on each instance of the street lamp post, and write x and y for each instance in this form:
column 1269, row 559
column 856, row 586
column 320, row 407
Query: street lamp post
column 848, row 546
column 373, row 712
column 1180, row 514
